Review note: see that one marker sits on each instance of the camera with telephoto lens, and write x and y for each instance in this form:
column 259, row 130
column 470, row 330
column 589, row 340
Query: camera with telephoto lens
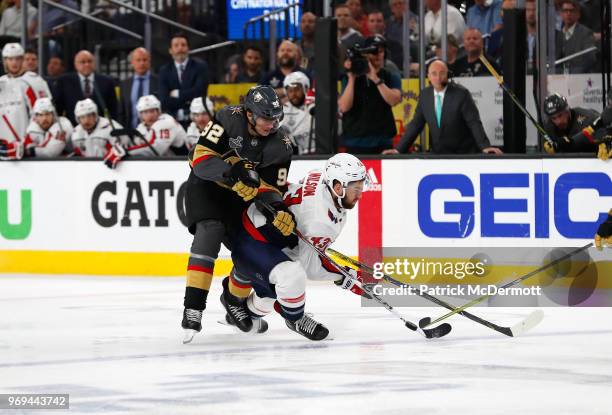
column 359, row 63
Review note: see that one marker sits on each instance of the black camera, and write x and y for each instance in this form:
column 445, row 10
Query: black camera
column 359, row 63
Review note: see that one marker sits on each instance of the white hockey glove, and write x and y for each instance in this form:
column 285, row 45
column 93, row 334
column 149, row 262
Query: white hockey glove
column 353, row 284
column 114, row 155
column 11, row 150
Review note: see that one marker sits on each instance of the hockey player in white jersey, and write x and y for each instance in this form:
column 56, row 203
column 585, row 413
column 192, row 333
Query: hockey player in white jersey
column 47, row 134
column 32, row 85
column 93, row 136
column 298, row 118
column 277, row 267
column 199, row 120
column 160, row 134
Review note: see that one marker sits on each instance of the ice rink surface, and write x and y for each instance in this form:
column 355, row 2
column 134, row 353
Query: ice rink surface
column 114, row 344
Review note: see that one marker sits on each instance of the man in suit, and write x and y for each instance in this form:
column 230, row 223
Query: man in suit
column 142, row 83
column 575, row 37
column 451, row 115
column 85, row 83
column 181, row 80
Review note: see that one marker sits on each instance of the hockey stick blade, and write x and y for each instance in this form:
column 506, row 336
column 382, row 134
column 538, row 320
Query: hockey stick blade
column 437, row 332
column 527, row 323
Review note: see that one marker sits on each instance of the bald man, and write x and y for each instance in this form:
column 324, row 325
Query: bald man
column 451, row 115
column 141, row 83
column 85, row 83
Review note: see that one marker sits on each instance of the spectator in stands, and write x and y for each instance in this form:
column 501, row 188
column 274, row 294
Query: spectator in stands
column 181, row 80
column 30, row 61
column 470, row 64
column 590, row 16
column 495, row 44
column 55, row 67
column 564, row 122
column 395, row 23
column 232, row 69
column 485, row 15
column 530, row 18
column 360, row 19
column 10, row 24
column 53, row 17
column 366, row 104
column 433, row 21
column 85, row 83
column 307, row 27
column 347, row 36
column 376, row 26
column 252, row 65
column 451, row 115
column 452, row 49
column 575, row 37
column 288, row 60
column 141, row 83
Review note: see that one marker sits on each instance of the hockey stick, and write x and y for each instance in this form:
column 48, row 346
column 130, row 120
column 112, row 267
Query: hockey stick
column 434, row 332
column 508, row 91
column 514, row 282
column 527, row 323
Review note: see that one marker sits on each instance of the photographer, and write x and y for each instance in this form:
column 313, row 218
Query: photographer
column 368, row 93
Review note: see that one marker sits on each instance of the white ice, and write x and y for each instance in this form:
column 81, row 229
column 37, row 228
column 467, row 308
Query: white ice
column 114, row 344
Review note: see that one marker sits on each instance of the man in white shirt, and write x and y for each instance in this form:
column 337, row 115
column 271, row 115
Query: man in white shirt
column 10, row 25
column 433, row 21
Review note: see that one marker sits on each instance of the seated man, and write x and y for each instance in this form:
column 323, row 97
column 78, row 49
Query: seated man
column 199, row 120
column 93, row 136
column 278, row 276
column 160, row 134
column 47, row 134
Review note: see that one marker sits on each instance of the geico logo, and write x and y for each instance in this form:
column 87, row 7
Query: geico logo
column 540, row 188
column 106, row 204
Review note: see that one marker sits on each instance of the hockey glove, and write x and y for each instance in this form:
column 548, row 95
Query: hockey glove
column 114, row 155
column 557, row 145
column 283, row 220
column 244, row 179
column 604, row 233
column 353, row 284
column 11, row 151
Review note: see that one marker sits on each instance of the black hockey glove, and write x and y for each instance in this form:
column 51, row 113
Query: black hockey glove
column 244, row 179
column 604, row 233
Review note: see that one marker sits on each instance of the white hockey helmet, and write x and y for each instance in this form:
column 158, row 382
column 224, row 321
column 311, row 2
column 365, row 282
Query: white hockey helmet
column 12, row 50
column 84, row 107
column 197, row 107
column 297, row 78
column 344, row 168
column 43, row 105
column 148, row 102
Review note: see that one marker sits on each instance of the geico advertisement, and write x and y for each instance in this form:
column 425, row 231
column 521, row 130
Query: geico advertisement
column 83, row 206
column 493, row 202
